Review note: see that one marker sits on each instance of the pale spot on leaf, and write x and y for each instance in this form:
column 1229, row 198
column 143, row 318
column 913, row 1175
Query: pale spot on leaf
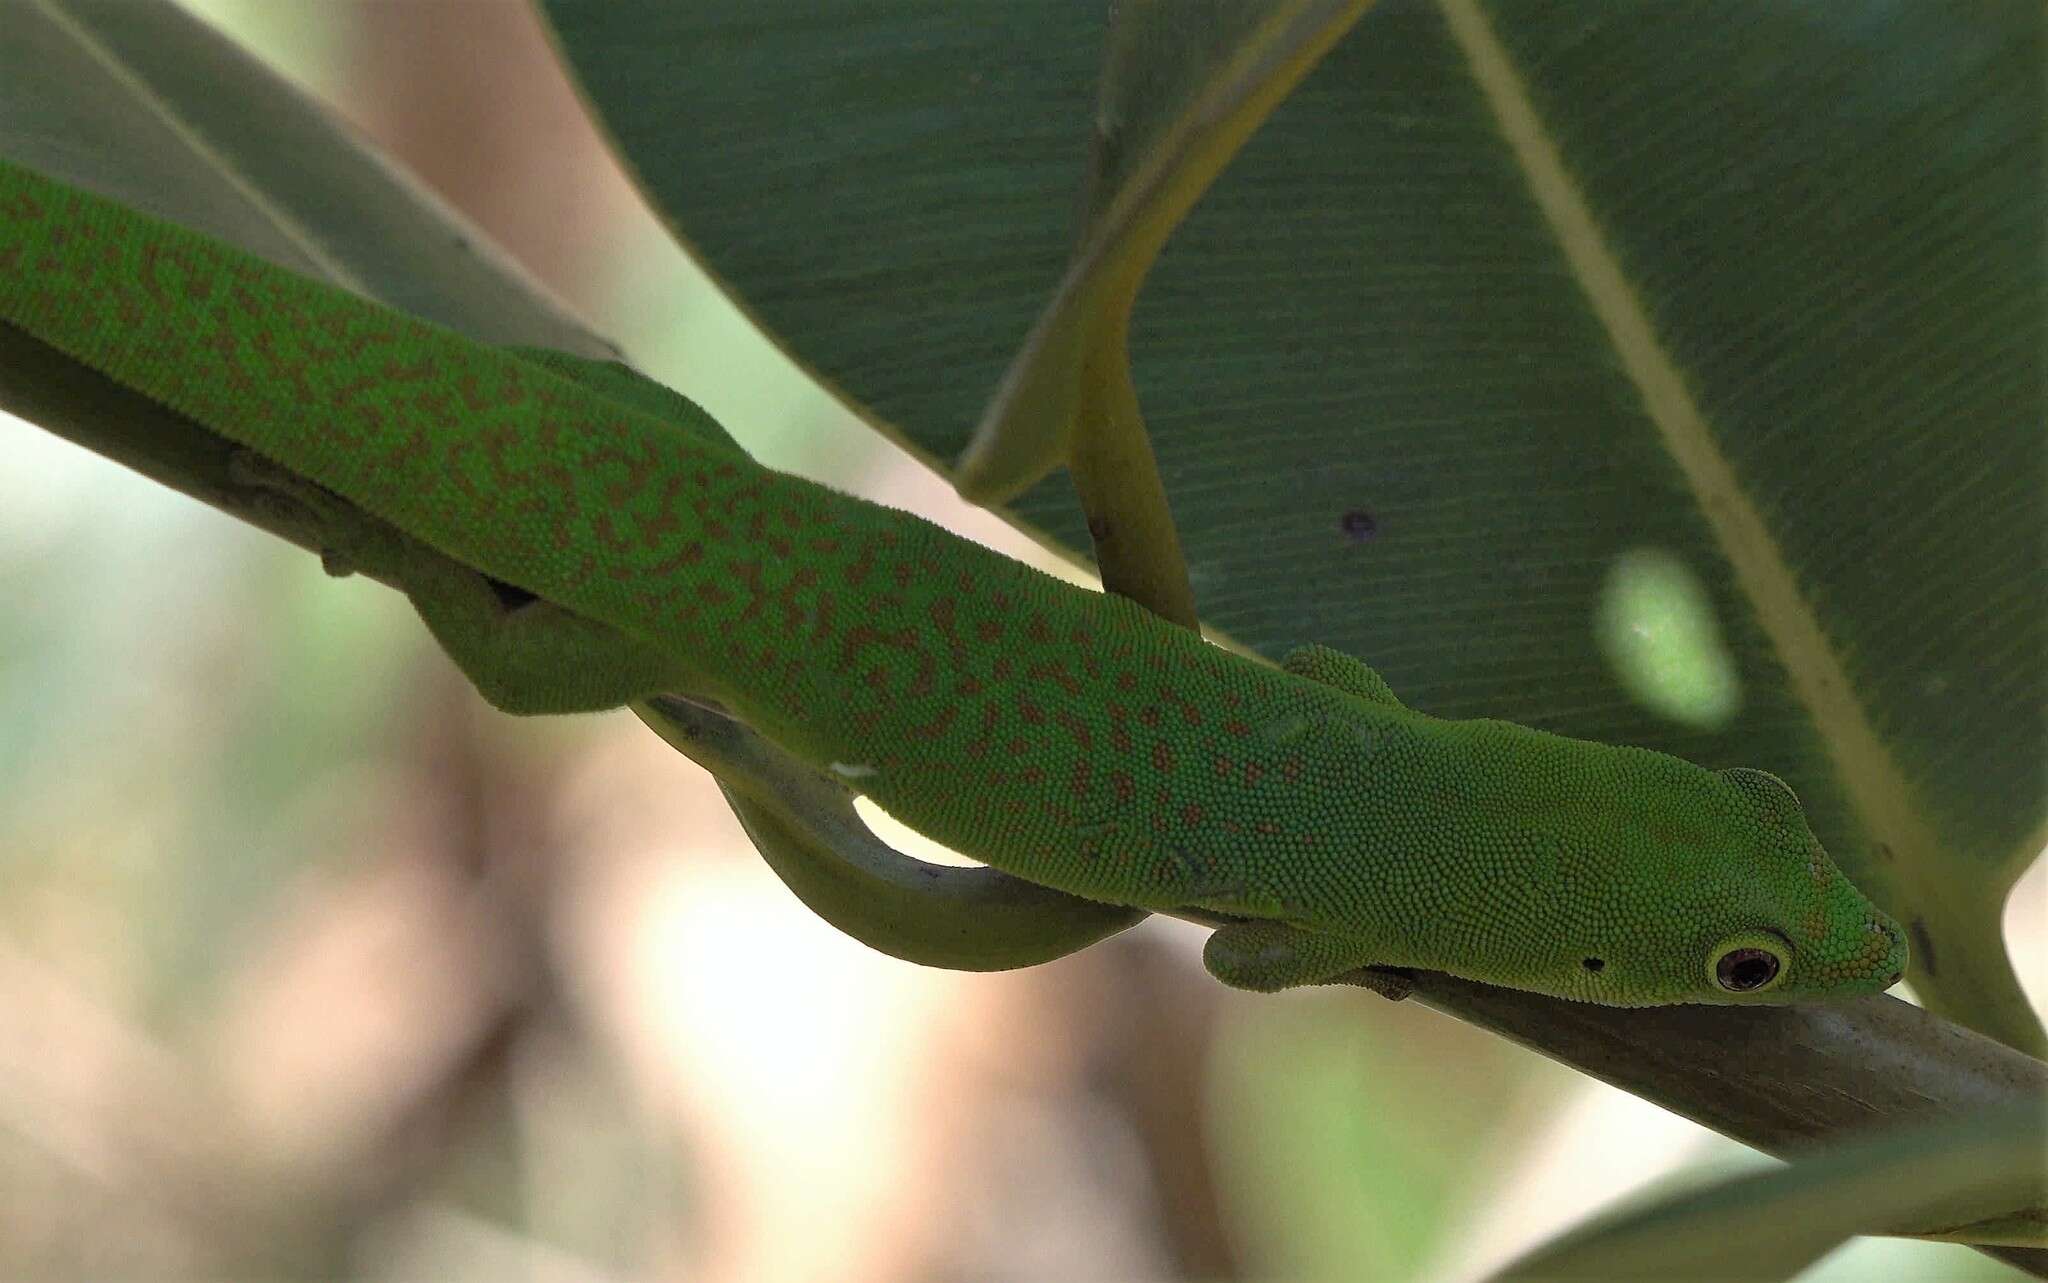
column 1656, row 625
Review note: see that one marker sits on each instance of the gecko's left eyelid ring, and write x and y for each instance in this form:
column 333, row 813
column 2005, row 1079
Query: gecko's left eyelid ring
column 1750, row 963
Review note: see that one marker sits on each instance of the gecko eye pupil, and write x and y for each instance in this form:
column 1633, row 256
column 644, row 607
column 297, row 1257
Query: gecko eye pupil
column 1743, row 970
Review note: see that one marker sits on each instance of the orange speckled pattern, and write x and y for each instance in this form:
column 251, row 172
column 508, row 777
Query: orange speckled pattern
column 1066, row 737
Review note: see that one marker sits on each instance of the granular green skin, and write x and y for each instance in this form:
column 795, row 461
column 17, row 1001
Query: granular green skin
column 1066, row 737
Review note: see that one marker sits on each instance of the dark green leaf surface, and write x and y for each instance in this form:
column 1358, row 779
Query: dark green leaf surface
column 1212, row 75
column 1400, row 409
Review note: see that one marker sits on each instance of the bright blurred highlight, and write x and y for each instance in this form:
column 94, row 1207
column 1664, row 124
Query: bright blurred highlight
column 1657, row 628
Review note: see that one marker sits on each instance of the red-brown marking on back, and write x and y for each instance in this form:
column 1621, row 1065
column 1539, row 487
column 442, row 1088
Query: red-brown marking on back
column 682, row 558
column 861, row 566
column 793, row 610
column 1076, row 728
column 942, row 611
column 1055, row 671
column 750, row 573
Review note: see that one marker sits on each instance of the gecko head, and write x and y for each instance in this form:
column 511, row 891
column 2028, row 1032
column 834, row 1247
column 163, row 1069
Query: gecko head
column 1799, row 930
column 1751, row 908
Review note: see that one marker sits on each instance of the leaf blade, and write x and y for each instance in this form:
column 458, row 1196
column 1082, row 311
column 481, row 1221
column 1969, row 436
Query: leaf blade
column 1390, row 418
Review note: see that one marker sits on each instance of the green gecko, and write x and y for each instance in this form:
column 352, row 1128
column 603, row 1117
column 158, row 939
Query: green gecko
column 1061, row 735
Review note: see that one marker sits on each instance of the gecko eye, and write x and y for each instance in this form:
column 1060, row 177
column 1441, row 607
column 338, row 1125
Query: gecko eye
column 1742, row 970
column 1749, row 963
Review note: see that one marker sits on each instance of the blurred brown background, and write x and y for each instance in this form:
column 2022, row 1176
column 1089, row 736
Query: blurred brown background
column 312, row 966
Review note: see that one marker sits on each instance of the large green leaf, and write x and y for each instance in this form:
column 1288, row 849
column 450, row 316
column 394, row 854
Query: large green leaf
column 1519, row 333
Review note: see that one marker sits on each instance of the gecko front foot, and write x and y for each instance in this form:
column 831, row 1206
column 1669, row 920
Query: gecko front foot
column 524, row 654
column 350, row 541
column 1264, row 956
